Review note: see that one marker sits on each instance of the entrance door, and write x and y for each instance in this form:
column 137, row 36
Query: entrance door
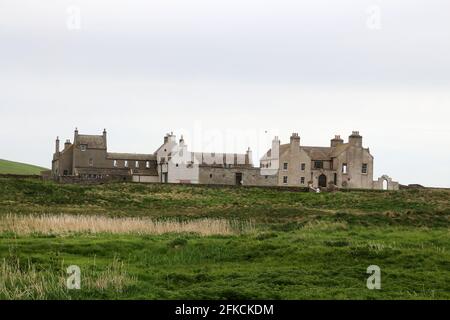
column 238, row 176
column 323, row 181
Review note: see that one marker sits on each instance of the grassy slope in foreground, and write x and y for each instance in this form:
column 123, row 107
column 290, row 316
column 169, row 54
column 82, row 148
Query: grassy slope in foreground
column 11, row 167
column 304, row 245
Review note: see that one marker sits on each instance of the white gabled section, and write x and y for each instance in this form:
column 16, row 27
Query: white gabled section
column 270, row 162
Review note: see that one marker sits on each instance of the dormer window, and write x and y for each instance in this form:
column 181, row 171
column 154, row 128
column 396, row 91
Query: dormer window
column 83, row 147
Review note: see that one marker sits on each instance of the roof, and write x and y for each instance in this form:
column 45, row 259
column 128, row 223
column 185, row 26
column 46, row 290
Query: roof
column 315, row 153
column 131, row 156
column 92, row 141
column 339, row 149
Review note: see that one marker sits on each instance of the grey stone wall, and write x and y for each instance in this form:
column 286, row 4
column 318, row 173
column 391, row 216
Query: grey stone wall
column 227, row 176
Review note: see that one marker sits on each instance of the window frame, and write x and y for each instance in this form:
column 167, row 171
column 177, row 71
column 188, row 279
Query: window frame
column 317, row 162
column 365, row 168
column 344, row 168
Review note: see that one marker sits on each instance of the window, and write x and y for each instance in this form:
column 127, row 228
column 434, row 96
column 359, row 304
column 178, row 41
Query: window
column 364, row 168
column 126, row 163
column 210, row 175
column 265, row 177
column 344, row 168
column 66, row 172
column 285, row 180
column 137, row 164
column 302, row 180
column 91, row 162
column 115, row 163
column 83, row 147
column 303, row 166
column 285, row 166
column 176, row 165
column 147, row 164
column 318, row 164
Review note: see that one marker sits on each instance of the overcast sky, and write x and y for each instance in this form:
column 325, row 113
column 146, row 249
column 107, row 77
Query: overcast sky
column 213, row 69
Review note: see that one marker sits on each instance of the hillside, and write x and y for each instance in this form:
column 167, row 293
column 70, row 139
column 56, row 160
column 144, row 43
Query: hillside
column 11, row 167
column 198, row 242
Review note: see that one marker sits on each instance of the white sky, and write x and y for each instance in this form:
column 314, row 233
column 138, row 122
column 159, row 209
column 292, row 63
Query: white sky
column 215, row 67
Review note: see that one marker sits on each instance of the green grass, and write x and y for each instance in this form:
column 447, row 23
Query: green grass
column 11, row 167
column 306, row 245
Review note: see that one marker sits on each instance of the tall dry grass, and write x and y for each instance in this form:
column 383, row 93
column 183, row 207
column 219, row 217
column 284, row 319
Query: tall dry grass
column 23, row 281
column 65, row 224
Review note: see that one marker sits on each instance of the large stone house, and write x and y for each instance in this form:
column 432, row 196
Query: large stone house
column 345, row 165
column 87, row 158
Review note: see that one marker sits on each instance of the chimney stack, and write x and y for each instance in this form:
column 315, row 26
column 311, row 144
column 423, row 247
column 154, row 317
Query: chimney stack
column 295, row 139
column 75, row 136
column 104, row 137
column 336, row 141
column 355, row 139
column 249, row 156
column 57, row 145
column 67, row 144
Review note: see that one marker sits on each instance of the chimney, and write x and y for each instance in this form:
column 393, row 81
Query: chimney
column 57, row 145
column 295, row 139
column 104, row 137
column 295, row 144
column 275, row 148
column 355, row 139
column 249, row 156
column 336, row 141
column 75, row 136
column 67, row 144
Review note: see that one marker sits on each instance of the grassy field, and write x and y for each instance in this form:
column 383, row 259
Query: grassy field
column 266, row 243
column 11, row 167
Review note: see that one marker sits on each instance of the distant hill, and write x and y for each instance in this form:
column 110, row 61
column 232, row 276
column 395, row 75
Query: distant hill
column 11, row 167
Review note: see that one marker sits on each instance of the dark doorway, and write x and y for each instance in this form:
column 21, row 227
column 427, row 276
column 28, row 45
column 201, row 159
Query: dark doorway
column 323, row 181
column 238, row 178
column 335, row 179
column 165, row 178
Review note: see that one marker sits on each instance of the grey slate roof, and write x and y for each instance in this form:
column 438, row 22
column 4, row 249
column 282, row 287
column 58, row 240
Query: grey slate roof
column 131, row 156
column 92, row 141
